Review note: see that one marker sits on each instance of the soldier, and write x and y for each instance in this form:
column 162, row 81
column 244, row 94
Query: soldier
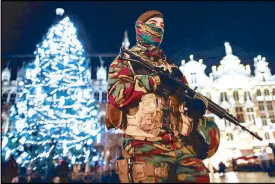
column 157, row 142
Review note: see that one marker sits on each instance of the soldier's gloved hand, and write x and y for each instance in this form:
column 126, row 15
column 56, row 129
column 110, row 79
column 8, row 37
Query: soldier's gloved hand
column 197, row 106
column 176, row 72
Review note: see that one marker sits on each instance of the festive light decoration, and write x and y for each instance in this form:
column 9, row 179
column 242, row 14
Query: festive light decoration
column 54, row 115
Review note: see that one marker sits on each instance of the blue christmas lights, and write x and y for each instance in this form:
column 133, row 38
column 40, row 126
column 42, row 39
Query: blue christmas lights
column 54, row 114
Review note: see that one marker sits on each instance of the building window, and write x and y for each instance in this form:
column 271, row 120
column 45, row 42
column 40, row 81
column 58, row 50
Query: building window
column 249, row 117
column 12, row 98
column 264, row 120
column 269, row 105
column 273, row 91
column 4, row 98
column 266, row 92
column 239, row 113
column 104, row 97
column 4, row 80
column 239, row 109
column 224, row 97
column 274, row 135
column 225, row 123
column 236, row 96
column 259, row 92
column 267, row 136
column 261, row 106
column 253, row 118
column 247, row 96
column 229, row 136
column 272, row 117
column 193, row 78
column 96, row 96
column 240, row 118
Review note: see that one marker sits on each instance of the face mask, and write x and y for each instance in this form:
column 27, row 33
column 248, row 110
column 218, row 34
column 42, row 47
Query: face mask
column 148, row 34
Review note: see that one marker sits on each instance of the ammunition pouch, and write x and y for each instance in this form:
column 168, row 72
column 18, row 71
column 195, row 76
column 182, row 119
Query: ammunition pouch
column 138, row 172
column 146, row 119
column 122, row 167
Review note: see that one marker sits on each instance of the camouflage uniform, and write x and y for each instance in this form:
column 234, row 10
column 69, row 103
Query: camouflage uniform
column 155, row 147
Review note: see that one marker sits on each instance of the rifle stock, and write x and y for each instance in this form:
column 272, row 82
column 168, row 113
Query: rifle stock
column 188, row 92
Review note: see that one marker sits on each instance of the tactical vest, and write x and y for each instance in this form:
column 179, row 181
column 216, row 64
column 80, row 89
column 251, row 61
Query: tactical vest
column 154, row 113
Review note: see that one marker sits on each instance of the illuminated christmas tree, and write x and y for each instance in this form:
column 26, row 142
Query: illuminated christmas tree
column 54, row 115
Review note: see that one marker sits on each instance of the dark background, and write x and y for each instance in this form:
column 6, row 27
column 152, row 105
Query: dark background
column 198, row 28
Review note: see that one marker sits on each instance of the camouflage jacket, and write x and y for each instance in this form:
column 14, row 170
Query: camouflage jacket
column 126, row 89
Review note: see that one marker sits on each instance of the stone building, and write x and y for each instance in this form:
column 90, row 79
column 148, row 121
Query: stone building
column 250, row 97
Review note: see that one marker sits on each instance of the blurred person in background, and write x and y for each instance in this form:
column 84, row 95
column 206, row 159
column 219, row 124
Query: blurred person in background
column 222, row 168
column 10, row 170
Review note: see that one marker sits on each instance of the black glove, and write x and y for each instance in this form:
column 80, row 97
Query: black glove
column 176, row 73
column 197, row 106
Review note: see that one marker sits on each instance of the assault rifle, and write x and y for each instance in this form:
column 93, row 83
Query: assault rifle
column 187, row 91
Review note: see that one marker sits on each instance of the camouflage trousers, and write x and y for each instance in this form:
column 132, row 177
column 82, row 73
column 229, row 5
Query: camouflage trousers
column 163, row 162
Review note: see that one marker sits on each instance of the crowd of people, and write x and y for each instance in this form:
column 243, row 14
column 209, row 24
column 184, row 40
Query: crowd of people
column 62, row 173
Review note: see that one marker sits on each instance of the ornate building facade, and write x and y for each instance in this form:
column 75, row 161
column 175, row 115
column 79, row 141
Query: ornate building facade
column 248, row 96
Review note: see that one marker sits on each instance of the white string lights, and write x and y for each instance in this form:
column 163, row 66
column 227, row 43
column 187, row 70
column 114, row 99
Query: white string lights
column 54, row 114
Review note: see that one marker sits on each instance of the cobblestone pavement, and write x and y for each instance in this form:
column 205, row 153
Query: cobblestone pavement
column 240, row 177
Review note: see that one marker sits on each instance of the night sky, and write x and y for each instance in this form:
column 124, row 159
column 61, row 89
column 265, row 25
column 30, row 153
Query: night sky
column 198, row 28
